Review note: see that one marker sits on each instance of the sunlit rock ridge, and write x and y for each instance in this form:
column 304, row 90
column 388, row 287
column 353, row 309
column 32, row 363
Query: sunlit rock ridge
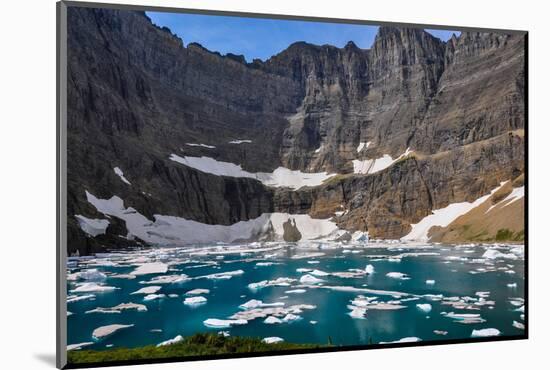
column 336, row 139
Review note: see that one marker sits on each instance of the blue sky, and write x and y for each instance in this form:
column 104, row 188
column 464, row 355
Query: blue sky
column 263, row 38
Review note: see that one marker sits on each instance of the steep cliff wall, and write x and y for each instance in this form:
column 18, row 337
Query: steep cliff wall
column 137, row 95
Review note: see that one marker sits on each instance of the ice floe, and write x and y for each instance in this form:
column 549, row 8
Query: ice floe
column 105, row 331
column 221, row 275
column 197, row 291
column 282, row 281
column 309, row 279
column 430, row 282
column 491, row 332
column 147, row 290
column 270, row 320
column 404, row 340
column 254, row 303
column 496, row 254
column 152, row 297
column 281, row 177
column 167, row 279
column 150, row 268
column 76, row 298
column 194, row 301
column 92, row 287
column 119, row 308
column 465, row 318
column 217, row 323
column 440, row 332
column 169, row 342
column 120, row 174
column 92, row 226
column 77, row 346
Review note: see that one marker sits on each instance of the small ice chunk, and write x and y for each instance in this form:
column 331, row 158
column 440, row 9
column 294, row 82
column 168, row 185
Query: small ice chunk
column 291, row 318
column 358, row 312
column 169, row 342
column 397, row 275
column 430, row 282
column 309, row 279
column 369, row 269
column 424, row 307
column 272, row 340
column 491, row 332
column 512, row 285
column 295, row 291
column 518, row 325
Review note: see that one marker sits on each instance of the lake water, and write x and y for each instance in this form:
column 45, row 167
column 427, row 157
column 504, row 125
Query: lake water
column 484, row 282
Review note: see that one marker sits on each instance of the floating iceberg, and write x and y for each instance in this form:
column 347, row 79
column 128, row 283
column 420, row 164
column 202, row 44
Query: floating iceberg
column 105, row 331
column 92, row 287
column 424, row 307
column 491, row 332
column 405, row 340
column 397, row 275
column 217, row 323
column 147, row 290
column 197, row 291
column 194, row 301
column 151, row 268
column 309, row 279
column 74, row 347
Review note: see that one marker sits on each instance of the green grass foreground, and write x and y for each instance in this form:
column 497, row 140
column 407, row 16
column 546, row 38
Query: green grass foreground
column 196, row 345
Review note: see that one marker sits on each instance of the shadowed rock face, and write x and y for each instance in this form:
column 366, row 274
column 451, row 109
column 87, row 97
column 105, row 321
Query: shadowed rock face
column 136, row 95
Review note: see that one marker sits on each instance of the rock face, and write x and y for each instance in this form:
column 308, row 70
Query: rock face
column 136, row 95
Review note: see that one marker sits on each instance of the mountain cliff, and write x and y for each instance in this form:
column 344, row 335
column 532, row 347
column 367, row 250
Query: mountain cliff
column 412, row 125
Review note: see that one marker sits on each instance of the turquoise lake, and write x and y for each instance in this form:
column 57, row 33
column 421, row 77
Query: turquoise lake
column 485, row 282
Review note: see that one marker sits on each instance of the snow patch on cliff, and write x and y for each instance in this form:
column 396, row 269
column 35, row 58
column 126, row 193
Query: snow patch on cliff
column 281, row 177
column 369, row 166
column 120, row 174
column 92, row 226
column 171, row 230
column 443, row 217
